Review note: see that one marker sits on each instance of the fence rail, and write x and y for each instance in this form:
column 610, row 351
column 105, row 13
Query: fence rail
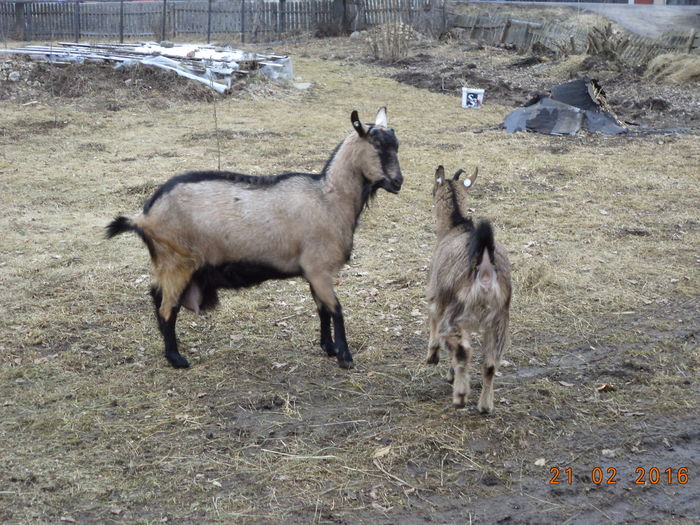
column 244, row 20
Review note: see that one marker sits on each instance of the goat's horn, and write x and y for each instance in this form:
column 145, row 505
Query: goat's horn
column 457, row 174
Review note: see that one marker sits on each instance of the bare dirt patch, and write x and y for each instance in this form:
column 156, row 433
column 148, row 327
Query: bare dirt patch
column 512, row 79
column 602, row 233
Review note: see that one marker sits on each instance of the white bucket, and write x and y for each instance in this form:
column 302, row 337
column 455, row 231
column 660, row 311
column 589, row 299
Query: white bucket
column 472, row 98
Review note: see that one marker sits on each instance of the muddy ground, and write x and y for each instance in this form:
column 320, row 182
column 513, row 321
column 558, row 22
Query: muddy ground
column 603, row 235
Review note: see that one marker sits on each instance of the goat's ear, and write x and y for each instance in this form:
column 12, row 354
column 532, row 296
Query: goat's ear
column 380, row 119
column 355, row 119
column 469, row 181
column 457, row 174
column 439, row 175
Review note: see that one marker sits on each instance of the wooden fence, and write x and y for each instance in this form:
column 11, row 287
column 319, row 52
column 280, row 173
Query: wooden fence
column 524, row 34
column 244, row 20
column 7, row 19
column 689, row 41
column 426, row 16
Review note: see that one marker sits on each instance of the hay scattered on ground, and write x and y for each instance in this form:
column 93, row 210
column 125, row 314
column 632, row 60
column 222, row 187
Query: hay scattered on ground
column 96, row 428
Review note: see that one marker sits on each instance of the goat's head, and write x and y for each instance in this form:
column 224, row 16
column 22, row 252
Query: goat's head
column 449, row 189
column 378, row 152
column 450, row 198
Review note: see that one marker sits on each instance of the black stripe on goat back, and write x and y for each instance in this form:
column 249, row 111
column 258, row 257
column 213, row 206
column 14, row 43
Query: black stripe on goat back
column 458, row 220
column 482, row 239
column 260, row 181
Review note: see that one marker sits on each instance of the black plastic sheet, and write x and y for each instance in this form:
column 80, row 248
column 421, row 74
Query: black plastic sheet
column 572, row 106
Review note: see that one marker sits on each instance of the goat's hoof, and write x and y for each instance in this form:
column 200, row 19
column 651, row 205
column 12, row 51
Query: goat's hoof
column 485, row 410
column 459, row 401
column 433, row 359
column 346, row 364
column 330, row 350
column 178, row 361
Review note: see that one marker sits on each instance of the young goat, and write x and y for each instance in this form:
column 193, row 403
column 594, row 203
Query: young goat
column 214, row 229
column 468, row 289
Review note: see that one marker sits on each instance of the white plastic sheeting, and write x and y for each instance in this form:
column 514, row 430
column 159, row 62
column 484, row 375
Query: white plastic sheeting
column 213, row 66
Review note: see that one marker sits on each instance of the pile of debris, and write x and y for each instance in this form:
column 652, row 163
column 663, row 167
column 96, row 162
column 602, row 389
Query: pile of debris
column 570, row 107
column 212, row 66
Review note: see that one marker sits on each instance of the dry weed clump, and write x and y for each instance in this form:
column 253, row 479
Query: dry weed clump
column 391, row 41
column 675, row 68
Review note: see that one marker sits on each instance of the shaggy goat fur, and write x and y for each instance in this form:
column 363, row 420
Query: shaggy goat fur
column 469, row 289
column 211, row 230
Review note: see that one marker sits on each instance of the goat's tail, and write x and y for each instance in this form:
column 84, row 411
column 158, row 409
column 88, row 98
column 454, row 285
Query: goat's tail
column 482, row 247
column 119, row 225
column 123, row 224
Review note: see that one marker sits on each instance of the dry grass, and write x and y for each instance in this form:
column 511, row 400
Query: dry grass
column 390, row 41
column 674, row 67
column 95, row 427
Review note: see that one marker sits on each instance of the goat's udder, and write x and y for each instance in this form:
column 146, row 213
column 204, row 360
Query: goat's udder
column 192, row 298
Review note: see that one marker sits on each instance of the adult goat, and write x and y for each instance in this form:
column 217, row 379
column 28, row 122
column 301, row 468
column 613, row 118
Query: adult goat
column 215, row 229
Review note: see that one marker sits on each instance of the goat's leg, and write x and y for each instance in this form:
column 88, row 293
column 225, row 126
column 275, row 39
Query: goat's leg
column 461, row 355
column 322, row 287
column 173, row 278
column 167, row 330
column 324, row 316
column 341, row 342
column 433, row 356
column 495, row 339
column 467, row 345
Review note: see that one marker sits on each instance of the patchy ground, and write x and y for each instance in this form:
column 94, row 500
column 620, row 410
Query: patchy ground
column 603, row 234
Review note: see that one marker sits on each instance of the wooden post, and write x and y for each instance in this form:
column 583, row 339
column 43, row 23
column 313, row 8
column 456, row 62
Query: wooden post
column 162, row 32
column 121, row 21
column 504, row 32
column 283, row 16
column 242, row 21
column 691, row 40
column 20, row 21
column 28, row 29
column 209, row 23
column 527, row 45
column 76, row 21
